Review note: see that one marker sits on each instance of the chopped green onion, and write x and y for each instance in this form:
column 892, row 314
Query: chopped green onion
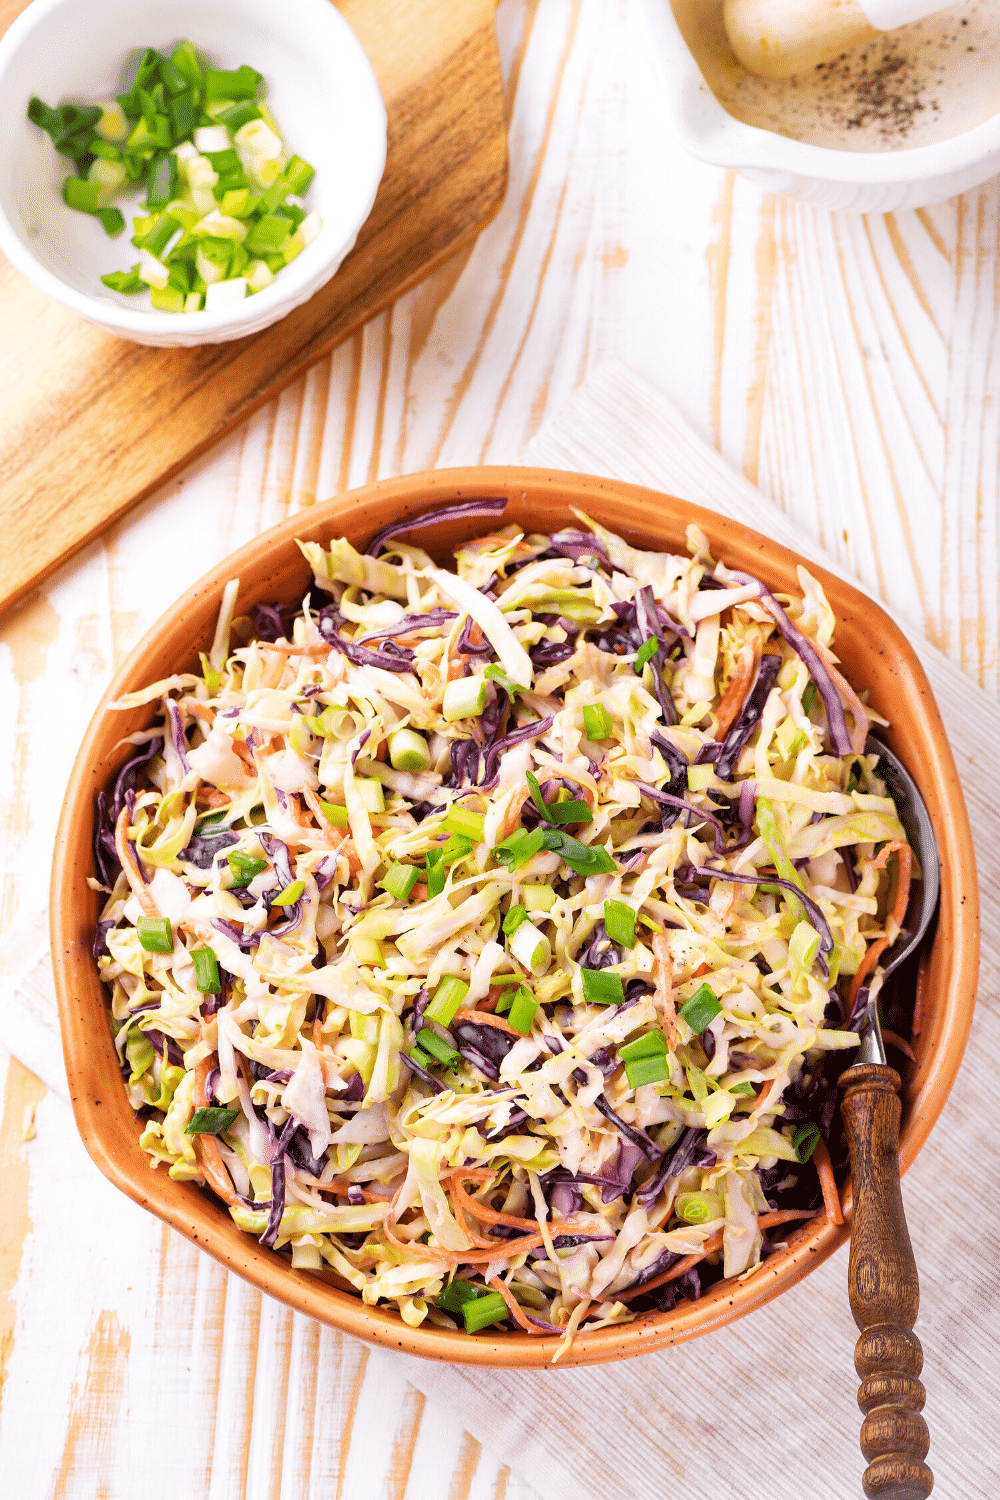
column 408, row 751
column 538, row 897
column 206, row 971
column 482, row 1311
column 439, row 1050
column 436, row 873
column 516, row 850
column 238, row 115
column 447, row 1000
column 113, row 222
column 496, row 674
column 370, row 794
column 602, row 987
column 699, row 1208
column 211, row 1121
column 745, row 1089
column 531, row 948
column 805, row 1140
column 298, row 175
column 522, row 1010
column 455, row 1295
column 701, row 1009
column 457, row 847
column 161, row 180
column 338, row 816
column 597, row 722
column 803, row 945
column 619, row 923
column 400, row 880
column 124, row 281
column 653, row 1044
column 290, row 894
column 808, row 696
column 270, row 233
column 81, row 195
column 645, row 1070
column 185, row 60
column 464, row 698
column 558, row 812
column 468, row 824
column 368, row 951
column 155, row 934
column 583, row 858
column 646, row 652
column 700, row 778
column 244, row 867
column 512, row 921
column 241, row 84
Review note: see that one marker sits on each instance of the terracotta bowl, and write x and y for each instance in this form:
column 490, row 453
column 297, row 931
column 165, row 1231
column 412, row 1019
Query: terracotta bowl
column 875, row 654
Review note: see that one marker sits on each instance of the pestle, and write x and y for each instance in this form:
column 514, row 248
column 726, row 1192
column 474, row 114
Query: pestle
column 776, row 38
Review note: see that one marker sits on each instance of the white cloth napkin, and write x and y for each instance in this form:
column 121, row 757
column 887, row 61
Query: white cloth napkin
column 765, row 1408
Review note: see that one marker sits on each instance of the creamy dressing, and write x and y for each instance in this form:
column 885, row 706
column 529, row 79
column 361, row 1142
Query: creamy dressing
column 927, row 82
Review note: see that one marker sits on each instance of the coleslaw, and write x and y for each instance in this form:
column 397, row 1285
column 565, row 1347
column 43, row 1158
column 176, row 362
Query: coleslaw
column 480, row 936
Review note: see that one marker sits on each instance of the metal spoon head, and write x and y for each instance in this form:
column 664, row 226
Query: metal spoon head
column 916, row 820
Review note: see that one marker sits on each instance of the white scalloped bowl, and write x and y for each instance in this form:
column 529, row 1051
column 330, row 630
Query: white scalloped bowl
column 320, row 85
column 864, row 181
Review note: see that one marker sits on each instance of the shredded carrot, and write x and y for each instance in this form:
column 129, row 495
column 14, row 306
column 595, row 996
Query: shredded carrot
column 200, row 710
column 515, row 1307
column 849, row 699
column 872, row 955
column 874, row 952
column 206, row 1146
column 682, row 1266
column 484, row 1018
column 893, row 1039
column 126, row 855
column 920, row 998
column 733, row 699
column 480, row 1210
column 831, row 1197
column 318, row 648
column 513, row 812
column 419, row 892
column 664, row 995
column 699, row 971
column 765, row 1221
column 210, row 796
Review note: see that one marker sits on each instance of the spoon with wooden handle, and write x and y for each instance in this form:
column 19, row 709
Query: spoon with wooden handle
column 883, row 1275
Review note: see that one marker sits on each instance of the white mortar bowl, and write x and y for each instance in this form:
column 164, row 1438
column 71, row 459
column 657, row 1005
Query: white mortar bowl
column 320, row 86
column 867, row 182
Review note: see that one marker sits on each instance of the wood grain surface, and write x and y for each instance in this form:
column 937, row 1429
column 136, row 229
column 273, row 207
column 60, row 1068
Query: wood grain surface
column 92, row 423
column 884, row 1291
column 851, row 368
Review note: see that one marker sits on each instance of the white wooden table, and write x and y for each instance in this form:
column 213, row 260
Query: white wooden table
column 848, row 366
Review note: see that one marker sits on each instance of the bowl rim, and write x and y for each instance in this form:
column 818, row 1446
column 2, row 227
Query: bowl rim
column 298, row 280
column 107, row 1126
column 723, row 140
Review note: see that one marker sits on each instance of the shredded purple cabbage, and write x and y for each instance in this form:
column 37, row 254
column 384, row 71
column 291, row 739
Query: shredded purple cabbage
column 840, row 738
column 579, row 544
column 267, row 622
column 421, row 1073
column 202, row 848
column 746, row 723
column 687, row 1151
column 466, row 645
column 391, row 658
column 649, row 1149
column 432, row 620
column 459, row 510
column 515, row 737
column 648, row 622
column 816, row 917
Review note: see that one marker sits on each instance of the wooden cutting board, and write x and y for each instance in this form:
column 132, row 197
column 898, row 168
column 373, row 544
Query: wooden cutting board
column 90, row 424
